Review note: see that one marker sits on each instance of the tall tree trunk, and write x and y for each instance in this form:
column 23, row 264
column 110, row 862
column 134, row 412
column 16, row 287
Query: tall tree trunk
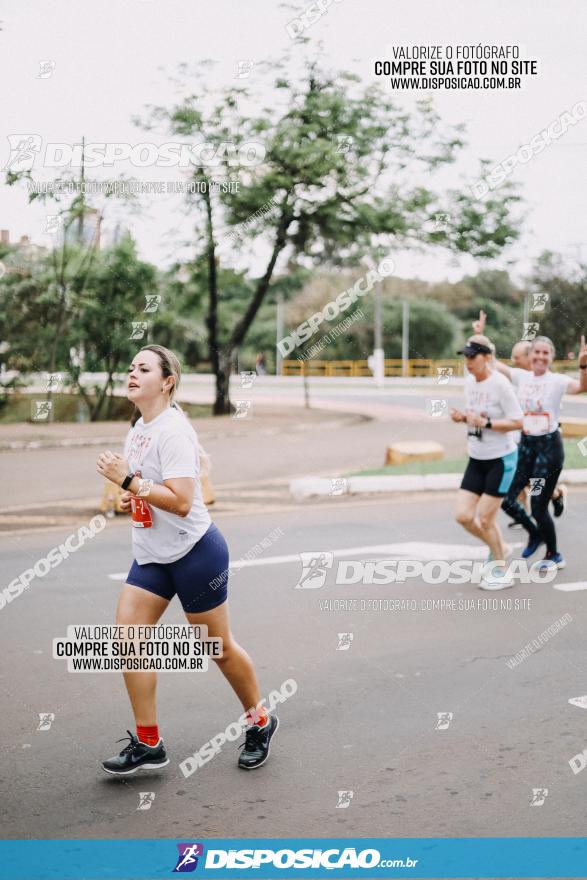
column 220, row 367
column 58, row 335
column 306, row 386
column 221, row 359
column 222, row 405
column 96, row 410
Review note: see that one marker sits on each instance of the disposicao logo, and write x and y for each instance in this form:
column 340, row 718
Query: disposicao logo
column 188, row 857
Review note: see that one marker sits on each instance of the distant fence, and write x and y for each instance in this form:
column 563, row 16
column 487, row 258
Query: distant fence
column 420, row 367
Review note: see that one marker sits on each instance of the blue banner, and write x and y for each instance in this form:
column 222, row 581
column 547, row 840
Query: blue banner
column 293, row 857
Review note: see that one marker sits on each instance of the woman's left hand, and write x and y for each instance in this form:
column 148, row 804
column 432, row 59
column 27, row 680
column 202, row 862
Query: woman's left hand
column 475, row 420
column 113, row 466
column 583, row 352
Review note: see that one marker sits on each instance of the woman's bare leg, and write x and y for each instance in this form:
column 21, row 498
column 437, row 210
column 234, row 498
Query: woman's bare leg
column 140, row 607
column 235, row 663
column 466, row 513
column 487, row 512
column 523, row 499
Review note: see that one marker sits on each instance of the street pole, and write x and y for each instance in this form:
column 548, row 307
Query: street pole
column 378, row 354
column 279, row 334
column 80, row 222
column 526, row 316
column 405, row 337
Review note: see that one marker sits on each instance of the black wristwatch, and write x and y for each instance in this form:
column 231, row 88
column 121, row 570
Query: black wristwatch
column 127, row 481
column 583, row 366
column 489, row 422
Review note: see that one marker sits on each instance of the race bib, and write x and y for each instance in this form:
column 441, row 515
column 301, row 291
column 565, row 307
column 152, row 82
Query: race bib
column 536, row 424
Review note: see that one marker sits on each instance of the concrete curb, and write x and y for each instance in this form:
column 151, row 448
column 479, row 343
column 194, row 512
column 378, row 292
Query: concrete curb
column 307, row 487
column 11, row 445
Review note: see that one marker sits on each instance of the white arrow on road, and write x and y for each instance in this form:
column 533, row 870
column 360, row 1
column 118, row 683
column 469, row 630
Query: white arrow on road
column 410, row 550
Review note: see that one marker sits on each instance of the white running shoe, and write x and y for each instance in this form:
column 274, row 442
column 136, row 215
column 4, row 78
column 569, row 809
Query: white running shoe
column 497, row 580
column 508, row 550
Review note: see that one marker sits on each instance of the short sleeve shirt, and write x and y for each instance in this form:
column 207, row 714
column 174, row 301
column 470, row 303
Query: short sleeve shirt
column 163, row 449
column 493, row 397
column 541, row 394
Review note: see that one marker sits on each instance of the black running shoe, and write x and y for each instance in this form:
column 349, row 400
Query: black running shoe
column 136, row 756
column 256, row 744
column 559, row 502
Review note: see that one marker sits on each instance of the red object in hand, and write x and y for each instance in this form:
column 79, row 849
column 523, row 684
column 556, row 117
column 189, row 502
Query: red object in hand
column 140, row 511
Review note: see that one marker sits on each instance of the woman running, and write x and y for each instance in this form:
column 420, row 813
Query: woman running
column 492, row 413
column 520, row 358
column 177, row 549
column 541, row 451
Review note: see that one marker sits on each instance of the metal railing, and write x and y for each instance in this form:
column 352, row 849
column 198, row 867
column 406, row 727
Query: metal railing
column 349, row 368
column 418, row 367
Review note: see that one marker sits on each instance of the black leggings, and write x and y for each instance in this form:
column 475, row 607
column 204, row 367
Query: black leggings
column 538, row 457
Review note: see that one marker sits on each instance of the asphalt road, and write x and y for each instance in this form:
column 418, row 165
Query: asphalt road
column 363, row 720
column 279, row 441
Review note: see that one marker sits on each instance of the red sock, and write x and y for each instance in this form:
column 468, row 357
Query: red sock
column 148, row 735
column 258, row 716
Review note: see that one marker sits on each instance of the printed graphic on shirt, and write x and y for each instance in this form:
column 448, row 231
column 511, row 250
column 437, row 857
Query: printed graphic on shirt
column 166, row 448
column 492, row 398
column 139, row 444
column 541, row 399
column 477, row 400
column 534, row 391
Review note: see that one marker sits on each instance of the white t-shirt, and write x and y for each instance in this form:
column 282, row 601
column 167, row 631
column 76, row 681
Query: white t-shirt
column 496, row 398
column 164, row 448
column 541, row 394
column 516, row 374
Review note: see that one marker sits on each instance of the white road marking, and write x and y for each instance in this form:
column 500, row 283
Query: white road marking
column 581, row 702
column 571, row 588
column 409, row 550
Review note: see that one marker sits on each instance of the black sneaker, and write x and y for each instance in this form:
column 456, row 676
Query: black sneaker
column 559, row 502
column 136, row 756
column 256, row 744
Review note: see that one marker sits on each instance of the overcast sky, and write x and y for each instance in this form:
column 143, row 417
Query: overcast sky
column 108, row 57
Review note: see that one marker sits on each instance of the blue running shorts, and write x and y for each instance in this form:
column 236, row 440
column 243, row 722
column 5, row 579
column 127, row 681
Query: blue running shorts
column 199, row 578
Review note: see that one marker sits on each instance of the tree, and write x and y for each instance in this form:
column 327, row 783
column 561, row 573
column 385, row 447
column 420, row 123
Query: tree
column 94, row 317
column 103, row 314
column 28, row 312
column 494, row 292
column 53, row 295
column 341, row 176
column 70, row 260
column 565, row 318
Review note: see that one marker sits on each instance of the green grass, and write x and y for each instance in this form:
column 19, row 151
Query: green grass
column 71, row 408
column 573, row 459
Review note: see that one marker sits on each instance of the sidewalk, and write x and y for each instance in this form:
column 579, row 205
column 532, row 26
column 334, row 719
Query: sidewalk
column 45, row 435
column 48, row 472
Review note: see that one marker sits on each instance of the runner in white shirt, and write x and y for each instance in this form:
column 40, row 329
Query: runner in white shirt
column 491, row 414
column 178, row 550
column 541, row 451
column 520, row 358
